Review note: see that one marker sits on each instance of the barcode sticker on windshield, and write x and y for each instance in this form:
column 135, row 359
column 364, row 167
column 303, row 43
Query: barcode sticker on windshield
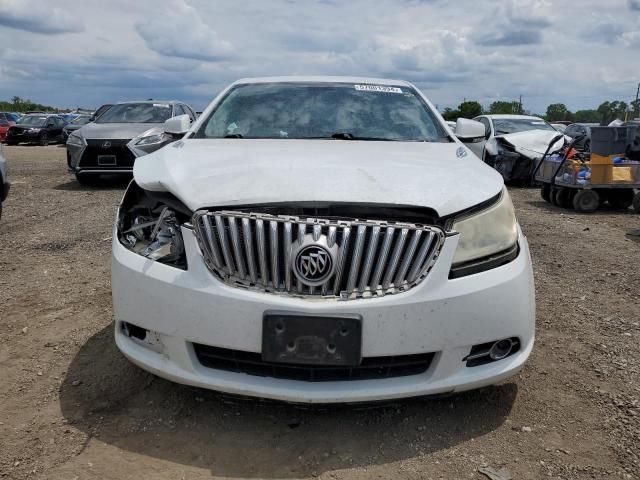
column 377, row 88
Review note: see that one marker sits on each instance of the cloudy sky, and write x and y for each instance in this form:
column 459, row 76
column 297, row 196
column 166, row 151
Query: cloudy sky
column 88, row 52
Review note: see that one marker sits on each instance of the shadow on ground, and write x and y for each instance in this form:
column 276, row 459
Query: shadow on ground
column 103, row 182
column 103, row 393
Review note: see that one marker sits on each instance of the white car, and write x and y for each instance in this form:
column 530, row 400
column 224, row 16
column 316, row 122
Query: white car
column 513, row 144
column 321, row 240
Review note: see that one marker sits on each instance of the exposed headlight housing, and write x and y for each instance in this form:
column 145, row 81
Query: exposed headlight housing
column 151, row 228
column 153, row 139
column 488, row 238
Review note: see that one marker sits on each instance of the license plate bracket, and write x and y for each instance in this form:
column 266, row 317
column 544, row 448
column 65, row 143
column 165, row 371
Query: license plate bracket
column 106, row 159
column 299, row 338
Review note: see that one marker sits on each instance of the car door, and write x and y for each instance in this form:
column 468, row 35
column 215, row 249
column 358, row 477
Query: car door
column 57, row 128
column 478, row 147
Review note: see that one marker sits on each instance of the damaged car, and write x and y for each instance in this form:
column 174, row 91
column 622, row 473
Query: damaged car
column 119, row 135
column 321, row 240
column 513, row 144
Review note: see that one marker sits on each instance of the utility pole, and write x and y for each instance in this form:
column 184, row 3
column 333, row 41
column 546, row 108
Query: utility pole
column 520, row 105
column 636, row 106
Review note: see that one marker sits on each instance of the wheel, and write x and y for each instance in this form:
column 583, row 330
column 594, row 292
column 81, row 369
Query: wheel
column 620, row 199
column 88, row 179
column 586, row 201
column 43, row 141
column 563, row 197
column 545, row 192
column 552, row 196
column 636, row 203
column 11, row 144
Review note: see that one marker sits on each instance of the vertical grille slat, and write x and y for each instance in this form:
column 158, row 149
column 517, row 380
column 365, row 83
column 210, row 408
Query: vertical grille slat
column 371, row 258
column 224, row 243
column 408, row 258
column 287, row 255
column 368, row 262
column 248, row 248
column 395, row 258
column 342, row 258
column 355, row 258
column 235, row 243
column 273, row 243
column 420, row 257
column 262, row 252
column 382, row 258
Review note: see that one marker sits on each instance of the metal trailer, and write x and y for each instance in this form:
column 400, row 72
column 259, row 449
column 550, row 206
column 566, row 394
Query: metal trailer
column 571, row 179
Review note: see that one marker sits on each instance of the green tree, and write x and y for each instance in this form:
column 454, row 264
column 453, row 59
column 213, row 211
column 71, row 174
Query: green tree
column 558, row 111
column 610, row 111
column 450, row 114
column 501, row 107
column 470, row 109
column 586, row 116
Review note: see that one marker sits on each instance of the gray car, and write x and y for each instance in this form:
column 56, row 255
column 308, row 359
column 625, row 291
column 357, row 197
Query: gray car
column 4, row 182
column 124, row 132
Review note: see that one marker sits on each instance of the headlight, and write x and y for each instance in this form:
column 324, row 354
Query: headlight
column 487, row 235
column 76, row 140
column 150, row 228
column 152, row 139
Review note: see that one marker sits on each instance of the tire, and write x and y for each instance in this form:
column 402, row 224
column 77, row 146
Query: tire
column 586, row 201
column 563, row 198
column 636, row 203
column 620, row 199
column 11, row 144
column 43, row 140
column 88, row 179
column 552, row 196
column 545, row 192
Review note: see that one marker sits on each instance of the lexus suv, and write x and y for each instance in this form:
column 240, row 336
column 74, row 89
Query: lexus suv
column 119, row 135
column 321, row 240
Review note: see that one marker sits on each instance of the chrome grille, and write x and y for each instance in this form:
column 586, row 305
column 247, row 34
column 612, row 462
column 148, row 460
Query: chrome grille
column 372, row 258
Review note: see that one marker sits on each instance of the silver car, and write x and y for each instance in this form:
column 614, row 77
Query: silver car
column 4, row 182
column 121, row 134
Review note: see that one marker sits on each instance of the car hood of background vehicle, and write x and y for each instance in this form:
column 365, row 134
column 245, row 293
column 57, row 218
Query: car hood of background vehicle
column 114, row 130
column 532, row 143
column 227, row 172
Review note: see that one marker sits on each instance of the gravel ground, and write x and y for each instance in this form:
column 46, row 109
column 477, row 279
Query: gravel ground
column 73, row 407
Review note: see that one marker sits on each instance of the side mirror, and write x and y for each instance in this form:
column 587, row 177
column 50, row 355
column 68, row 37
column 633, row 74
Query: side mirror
column 469, row 130
column 177, row 125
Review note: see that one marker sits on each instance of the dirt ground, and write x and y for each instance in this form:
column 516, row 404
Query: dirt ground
column 71, row 407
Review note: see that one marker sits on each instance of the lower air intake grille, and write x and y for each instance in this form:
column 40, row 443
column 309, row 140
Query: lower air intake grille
column 371, row 368
column 316, row 257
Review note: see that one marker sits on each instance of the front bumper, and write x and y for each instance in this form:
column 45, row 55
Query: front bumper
column 446, row 317
column 87, row 158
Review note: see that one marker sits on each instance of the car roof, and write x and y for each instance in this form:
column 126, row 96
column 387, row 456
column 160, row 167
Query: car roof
column 586, row 124
column 322, row 79
column 512, row 117
column 168, row 102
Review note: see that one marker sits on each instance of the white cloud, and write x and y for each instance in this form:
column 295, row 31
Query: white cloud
column 38, row 17
column 183, row 34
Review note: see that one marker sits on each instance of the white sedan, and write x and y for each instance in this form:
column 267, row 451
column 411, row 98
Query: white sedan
column 512, row 144
column 320, row 240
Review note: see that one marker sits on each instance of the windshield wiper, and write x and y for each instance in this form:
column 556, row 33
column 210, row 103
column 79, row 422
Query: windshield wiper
column 233, row 135
column 351, row 136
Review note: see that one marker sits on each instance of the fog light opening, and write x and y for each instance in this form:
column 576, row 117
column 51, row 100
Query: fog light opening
column 133, row 331
column 501, row 349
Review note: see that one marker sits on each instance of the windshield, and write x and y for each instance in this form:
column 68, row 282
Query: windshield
column 136, row 113
column 81, row 120
column 323, row 110
column 514, row 125
column 35, row 120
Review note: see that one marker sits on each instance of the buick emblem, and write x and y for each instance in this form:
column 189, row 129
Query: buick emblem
column 106, row 144
column 313, row 261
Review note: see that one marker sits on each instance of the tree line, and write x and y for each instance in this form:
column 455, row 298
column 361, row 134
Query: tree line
column 18, row 104
column 604, row 114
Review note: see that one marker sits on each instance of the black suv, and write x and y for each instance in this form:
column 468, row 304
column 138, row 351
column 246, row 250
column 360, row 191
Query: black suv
column 40, row 129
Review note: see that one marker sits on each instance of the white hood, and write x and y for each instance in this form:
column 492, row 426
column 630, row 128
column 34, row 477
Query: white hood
column 228, row 172
column 531, row 144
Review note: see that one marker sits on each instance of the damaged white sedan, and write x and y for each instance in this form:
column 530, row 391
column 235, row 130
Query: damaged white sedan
column 513, row 144
column 321, row 240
